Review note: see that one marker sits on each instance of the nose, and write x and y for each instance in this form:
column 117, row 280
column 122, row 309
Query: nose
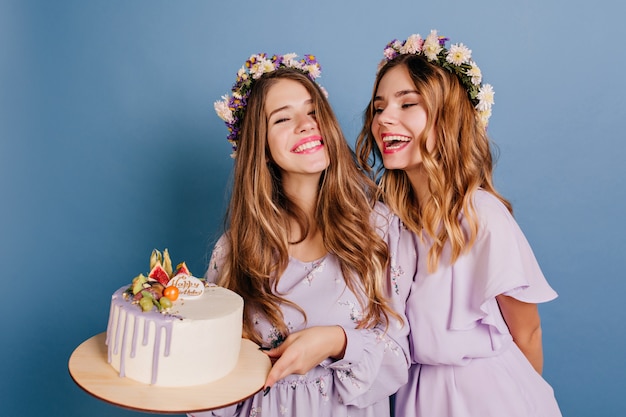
column 306, row 122
column 385, row 117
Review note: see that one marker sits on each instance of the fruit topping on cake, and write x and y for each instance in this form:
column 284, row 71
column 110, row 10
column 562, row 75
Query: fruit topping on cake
column 181, row 268
column 163, row 286
column 158, row 273
column 171, row 292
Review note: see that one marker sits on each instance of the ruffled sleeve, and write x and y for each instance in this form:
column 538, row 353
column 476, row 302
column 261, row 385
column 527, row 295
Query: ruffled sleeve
column 500, row 262
column 376, row 361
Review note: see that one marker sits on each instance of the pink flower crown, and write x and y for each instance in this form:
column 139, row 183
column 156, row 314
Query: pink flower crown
column 231, row 109
column 457, row 60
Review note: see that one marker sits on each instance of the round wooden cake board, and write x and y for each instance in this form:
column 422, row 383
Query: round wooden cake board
column 89, row 369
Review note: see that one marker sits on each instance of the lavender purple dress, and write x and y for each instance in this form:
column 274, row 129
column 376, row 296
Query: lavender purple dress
column 465, row 362
column 375, row 364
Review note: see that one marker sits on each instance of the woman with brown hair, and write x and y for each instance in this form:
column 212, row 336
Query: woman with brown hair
column 316, row 258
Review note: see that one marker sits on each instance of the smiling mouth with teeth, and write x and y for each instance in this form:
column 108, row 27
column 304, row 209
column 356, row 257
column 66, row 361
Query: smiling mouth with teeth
column 308, row 145
column 395, row 142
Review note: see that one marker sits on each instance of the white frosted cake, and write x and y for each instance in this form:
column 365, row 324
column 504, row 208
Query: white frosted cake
column 195, row 340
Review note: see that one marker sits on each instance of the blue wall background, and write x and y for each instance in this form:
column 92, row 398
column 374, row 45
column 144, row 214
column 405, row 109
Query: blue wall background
column 109, row 147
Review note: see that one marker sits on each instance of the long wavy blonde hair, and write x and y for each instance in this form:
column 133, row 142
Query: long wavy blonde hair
column 460, row 163
column 258, row 216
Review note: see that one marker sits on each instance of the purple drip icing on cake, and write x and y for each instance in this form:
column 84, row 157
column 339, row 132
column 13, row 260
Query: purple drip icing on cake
column 131, row 321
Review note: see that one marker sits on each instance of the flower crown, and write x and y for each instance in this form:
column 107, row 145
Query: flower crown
column 232, row 109
column 457, row 60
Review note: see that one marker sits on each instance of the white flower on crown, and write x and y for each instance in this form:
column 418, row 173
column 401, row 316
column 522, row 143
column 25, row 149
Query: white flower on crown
column 484, row 116
column 485, row 98
column 258, row 66
column 261, row 67
column 290, row 61
column 459, row 54
column 431, row 46
column 223, row 111
column 475, row 73
column 389, row 53
column 313, row 69
column 413, row 45
column 256, row 71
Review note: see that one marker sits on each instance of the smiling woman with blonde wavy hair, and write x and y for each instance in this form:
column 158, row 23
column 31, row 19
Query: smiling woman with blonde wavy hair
column 476, row 342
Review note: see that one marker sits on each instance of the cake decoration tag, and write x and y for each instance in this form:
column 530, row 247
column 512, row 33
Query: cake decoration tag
column 188, row 286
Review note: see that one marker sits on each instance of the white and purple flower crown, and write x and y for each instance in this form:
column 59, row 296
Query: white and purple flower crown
column 231, row 109
column 457, row 60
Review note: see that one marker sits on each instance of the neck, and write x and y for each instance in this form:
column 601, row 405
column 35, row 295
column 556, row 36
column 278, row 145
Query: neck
column 419, row 182
column 303, row 190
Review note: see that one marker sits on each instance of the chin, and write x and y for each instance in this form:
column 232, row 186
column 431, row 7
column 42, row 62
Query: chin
column 393, row 163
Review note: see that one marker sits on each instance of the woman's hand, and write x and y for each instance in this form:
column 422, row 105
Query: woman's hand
column 304, row 350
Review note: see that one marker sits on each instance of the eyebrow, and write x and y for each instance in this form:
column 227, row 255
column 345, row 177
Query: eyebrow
column 269, row 116
column 398, row 94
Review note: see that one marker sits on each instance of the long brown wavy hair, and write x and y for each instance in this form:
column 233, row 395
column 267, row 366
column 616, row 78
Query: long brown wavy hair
column 257, row 220
column 460, row 163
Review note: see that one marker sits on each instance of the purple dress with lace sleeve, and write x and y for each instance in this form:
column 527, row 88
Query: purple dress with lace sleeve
column 375, row 364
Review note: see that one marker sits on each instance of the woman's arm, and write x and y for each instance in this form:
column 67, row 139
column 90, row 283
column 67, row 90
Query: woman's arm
column 304, row 350
column 368, row 364
column 524, row 324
